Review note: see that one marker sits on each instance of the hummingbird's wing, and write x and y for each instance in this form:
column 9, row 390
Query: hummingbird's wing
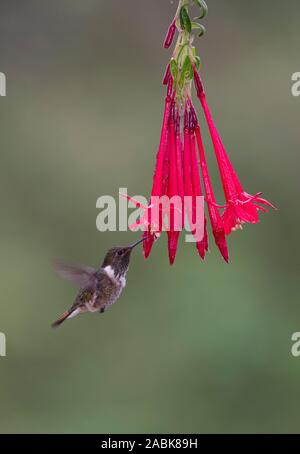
column 85, row 296
column 94, row 296
column 79, row 274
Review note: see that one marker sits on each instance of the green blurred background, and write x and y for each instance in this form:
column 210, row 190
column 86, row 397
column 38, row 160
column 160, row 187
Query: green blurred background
column 200, row 347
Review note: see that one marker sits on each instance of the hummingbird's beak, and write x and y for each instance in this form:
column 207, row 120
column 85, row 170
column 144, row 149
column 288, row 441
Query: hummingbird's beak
column 138, row 242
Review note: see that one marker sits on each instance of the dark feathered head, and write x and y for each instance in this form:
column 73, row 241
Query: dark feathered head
column 119, row 257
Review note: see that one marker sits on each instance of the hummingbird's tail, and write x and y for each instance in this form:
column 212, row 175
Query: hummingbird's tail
column 61, row 319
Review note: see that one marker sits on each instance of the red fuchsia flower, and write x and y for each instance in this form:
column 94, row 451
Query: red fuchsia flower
column 172, row 190
column 167, row 181
column 178, row 173
column 167, row 75
column 240, row 207
column 213, row 210
column 192, row 178
column 170, row 35
column 161, row 177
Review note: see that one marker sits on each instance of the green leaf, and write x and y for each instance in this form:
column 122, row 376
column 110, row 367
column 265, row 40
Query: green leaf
column 187, row 64
column 186, row 71
column 203, row 8
column 185, row 21
column 174, row 68
column 182, row 80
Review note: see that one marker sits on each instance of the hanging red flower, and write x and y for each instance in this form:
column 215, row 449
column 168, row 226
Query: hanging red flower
column 181, row 173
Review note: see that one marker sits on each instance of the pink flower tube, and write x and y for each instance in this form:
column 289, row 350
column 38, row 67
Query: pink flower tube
column 240, row 207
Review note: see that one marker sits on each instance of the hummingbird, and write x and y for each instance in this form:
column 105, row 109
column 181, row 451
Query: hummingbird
column 99, row 288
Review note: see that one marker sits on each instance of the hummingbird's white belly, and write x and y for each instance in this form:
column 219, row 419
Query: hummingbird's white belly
column 119, row 280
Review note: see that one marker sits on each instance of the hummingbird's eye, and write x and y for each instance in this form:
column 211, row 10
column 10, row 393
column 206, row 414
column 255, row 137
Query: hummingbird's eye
column 120, row 252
